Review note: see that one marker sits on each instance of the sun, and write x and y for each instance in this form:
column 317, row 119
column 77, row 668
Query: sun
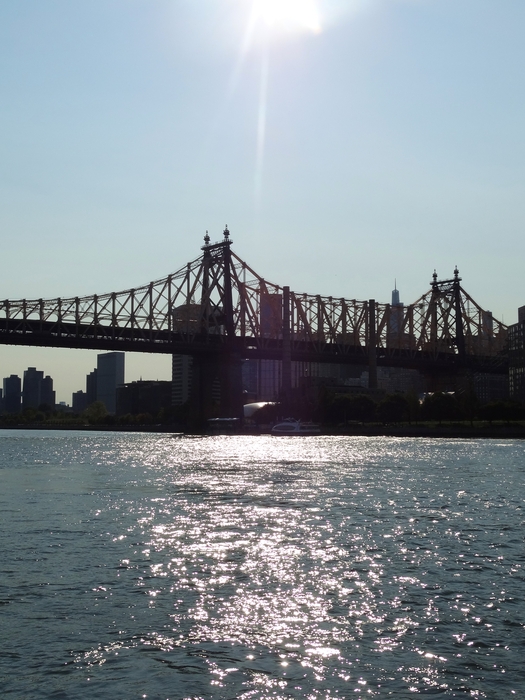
column 289, row 15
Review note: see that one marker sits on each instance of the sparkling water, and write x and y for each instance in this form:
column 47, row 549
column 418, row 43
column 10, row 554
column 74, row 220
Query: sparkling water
column 171, row 567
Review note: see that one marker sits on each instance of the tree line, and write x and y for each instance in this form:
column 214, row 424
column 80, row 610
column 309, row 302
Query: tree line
column 330, row 409
column 408, row 408
column 334, row 409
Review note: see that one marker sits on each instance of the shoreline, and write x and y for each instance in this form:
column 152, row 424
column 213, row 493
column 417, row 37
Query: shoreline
column 452, row 430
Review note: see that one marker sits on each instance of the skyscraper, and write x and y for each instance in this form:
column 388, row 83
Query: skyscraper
column 110, row 375
column 91, row 388
column 31, row 388
column 517, row 357
column 47, row 394
column 395, row 296
column 395, row 320
column 12, row 394
column 37, row 389
column 181, row 375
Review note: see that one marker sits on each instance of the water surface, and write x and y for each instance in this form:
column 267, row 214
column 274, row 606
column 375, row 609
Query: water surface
column 169, row 567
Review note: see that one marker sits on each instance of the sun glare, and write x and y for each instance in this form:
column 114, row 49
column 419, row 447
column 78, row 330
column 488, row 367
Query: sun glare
column 289, row 15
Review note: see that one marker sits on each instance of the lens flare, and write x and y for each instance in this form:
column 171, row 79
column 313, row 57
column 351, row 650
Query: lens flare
column 289, row 15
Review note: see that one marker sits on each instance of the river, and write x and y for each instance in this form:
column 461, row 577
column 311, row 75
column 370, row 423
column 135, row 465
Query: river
column 214, row 568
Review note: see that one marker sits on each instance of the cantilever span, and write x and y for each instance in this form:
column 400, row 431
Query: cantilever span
column 218, row 302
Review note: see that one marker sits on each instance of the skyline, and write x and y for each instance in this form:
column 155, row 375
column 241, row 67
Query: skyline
column 61, row 381
column 365, row 142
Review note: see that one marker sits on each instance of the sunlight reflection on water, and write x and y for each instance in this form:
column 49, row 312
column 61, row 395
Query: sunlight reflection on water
column 241, row 567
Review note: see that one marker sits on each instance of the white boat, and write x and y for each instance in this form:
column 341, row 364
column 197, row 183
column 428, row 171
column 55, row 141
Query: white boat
column 290, row 426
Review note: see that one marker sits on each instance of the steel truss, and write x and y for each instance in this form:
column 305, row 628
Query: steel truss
column 218, row 300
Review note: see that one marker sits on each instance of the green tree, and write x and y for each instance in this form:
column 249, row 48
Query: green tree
column 343, row 408
column 96, row 413
column 469, row 402
column 414, row 406
column 440, row 406
column 32, row 415
column 501, row 410
column 393, row 409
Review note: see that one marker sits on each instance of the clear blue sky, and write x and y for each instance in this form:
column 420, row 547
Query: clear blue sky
column 385, row 145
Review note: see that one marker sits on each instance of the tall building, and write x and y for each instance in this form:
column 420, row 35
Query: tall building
column 31, row 388
column 143, row 397
column 269, row 379
column 110, row 375
column 91, row 387
column 181, row 373
column 47, row 394
column 271, row 314
column 262, row 378
column 37, row 389
column 181, row 380
column 395, row 295
column 12, row 394
column 395, row 321
column 79, row 401
column 517, row 357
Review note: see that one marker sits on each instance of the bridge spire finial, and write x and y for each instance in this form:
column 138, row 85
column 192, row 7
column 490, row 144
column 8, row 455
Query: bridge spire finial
column 206, row 239
column 435, row 276
column 456, row 273
column 226, row 233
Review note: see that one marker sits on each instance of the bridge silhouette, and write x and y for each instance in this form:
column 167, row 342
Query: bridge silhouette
column 220, row 311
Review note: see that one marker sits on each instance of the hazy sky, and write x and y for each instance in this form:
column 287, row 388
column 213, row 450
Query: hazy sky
column 347, row 144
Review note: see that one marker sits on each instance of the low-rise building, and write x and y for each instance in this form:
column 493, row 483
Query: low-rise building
column 143, row 397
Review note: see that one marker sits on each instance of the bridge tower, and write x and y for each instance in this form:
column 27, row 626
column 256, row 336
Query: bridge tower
column 446, row 316
column 446, row 311
column 216, row 319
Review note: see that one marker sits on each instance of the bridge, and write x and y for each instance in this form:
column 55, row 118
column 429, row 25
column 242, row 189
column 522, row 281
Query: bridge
column 220, row 311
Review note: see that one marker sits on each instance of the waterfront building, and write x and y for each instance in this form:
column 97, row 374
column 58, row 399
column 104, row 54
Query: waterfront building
column 37, row 389
column 31, row 388
column 181, row 375
column 490, row 387
column 392, row 380
column 517, row 357
column 262, row 378
column 143, row 397
column 47, row 395
column 110, row 375
column 91, row 387
column 79, row 401
column 12, row 394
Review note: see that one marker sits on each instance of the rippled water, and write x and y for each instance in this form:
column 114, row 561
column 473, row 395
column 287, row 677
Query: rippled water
column 154, row 566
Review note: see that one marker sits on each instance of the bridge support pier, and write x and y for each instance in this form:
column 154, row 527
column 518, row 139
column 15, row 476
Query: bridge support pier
column 231, row 385
column 216, row 388
column 204, row 373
